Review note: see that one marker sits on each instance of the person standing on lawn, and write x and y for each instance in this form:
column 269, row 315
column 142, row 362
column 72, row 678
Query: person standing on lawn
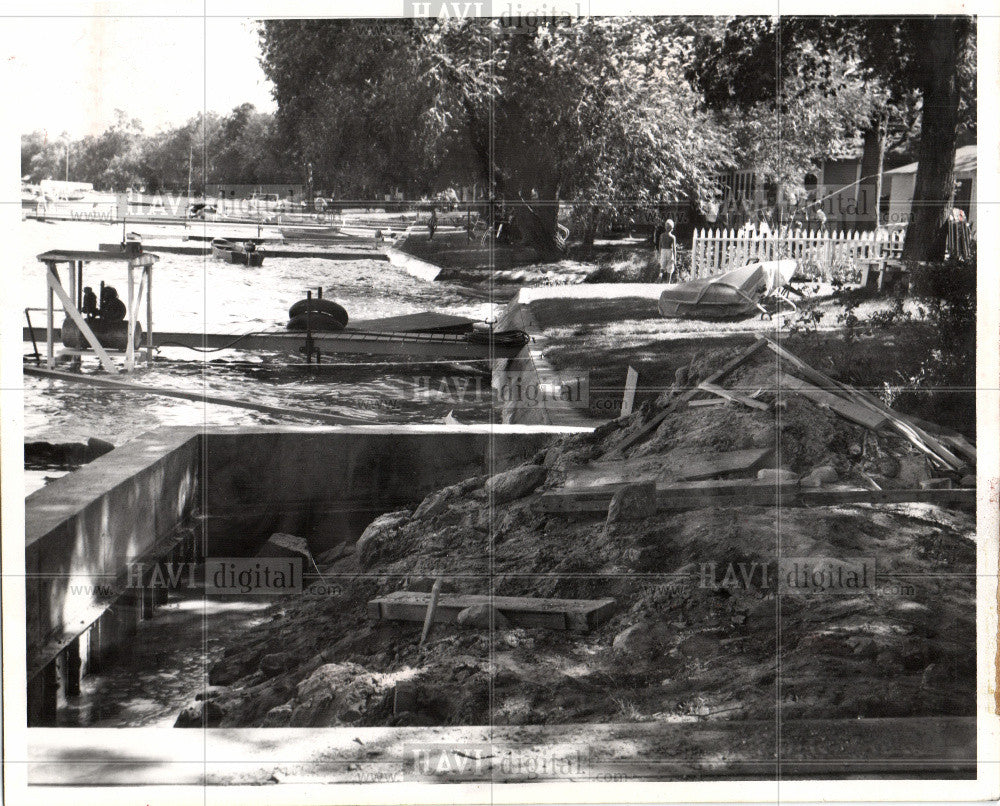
column 667, row 247
column 432, row 223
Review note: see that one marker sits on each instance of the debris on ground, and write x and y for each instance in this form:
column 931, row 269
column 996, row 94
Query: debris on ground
column 707, row 621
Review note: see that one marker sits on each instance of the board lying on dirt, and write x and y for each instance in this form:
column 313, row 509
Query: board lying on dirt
column 734, row 492
column 521, row 611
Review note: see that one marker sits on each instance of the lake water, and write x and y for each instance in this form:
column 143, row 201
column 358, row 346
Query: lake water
column 201, row 294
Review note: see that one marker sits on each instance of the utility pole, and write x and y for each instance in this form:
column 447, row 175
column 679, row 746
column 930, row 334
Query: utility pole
column 67, row 160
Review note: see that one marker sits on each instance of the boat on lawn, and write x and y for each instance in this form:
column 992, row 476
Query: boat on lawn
column 246, row 253
column 733, row 295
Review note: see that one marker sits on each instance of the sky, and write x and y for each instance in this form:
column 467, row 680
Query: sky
column 72, row 74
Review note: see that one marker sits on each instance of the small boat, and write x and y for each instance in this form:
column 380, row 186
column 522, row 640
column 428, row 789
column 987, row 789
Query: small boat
column 733, row 295
column 244, row 254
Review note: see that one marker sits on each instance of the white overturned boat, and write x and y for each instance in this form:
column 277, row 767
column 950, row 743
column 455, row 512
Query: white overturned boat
column 732, row 295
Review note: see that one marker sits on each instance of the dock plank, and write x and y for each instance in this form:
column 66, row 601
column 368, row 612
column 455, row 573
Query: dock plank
column 521, row 611
column 845, row 408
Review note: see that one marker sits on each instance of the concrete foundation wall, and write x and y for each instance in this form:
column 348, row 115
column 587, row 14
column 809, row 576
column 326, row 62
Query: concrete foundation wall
column 327, row 484
column 83, row 530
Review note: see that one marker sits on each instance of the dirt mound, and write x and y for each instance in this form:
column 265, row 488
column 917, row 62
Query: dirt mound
column 712, row 620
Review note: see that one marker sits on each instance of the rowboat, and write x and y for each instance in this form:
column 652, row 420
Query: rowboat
column 245, row 254
column 733, row 295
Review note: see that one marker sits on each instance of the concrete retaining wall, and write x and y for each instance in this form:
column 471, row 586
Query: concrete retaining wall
column 327, row 484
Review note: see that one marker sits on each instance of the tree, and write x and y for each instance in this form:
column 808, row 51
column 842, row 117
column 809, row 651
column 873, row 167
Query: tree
column 594, row 112
column 905, row 64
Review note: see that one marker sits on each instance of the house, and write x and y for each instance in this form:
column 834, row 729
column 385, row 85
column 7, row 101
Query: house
column 900, row 183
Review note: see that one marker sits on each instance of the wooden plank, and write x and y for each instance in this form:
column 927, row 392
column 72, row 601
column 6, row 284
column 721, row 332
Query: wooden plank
column 957, row 495
column 521, row 611
column 127, row 386
column 735, row 397
column 684, row 397
column 707, row 465
column 711, row 401
column 862, row 415
column 672, row 497
column 628, row 398
column 917, row 436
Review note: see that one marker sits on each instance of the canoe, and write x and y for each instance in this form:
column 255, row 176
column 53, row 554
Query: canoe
column 733, row 295
column 237, row 253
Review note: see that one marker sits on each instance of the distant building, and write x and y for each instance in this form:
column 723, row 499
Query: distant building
column 901, row 181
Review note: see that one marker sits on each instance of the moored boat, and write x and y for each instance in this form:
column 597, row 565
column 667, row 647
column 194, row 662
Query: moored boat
column 246, row 254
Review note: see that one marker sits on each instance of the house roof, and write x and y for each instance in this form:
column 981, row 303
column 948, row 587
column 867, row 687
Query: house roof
column 965, row 162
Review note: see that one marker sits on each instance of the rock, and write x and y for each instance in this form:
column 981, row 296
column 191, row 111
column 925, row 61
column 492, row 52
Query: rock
column 275, row 663
column 776, row 475
column 98, row 447
column 379, row 531
column 633, row 501
column 279, row 716
column 937, row 677
column 283, row 545
column 855, row 450
column 478, row 616
column 433, row 505
column 203, row 714
column 912, row 471
column 335, row 694
column 888, row 466
column 517, row 483
column 404, row 697
column 967, row 481
column 643, row 640
column 824, row 474
column 210, row 692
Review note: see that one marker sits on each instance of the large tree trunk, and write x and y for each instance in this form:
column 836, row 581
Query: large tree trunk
column 942, row 47
column 868, row 187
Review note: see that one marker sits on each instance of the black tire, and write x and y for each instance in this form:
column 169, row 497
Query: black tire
column 319, row 305
column 318, row 321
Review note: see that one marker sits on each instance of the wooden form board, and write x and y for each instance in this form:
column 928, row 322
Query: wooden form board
column 691, row 467
column 862, row 415
column 680, row 496
column 735, row 397
column 521, row 611
column 709, row 465
column 736, row 492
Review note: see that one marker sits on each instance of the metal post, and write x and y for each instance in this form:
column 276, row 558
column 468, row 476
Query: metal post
column 50, row 271
column 130, row 329
column 149, row 315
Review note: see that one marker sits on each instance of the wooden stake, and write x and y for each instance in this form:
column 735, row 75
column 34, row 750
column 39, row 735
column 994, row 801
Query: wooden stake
column 628, row 398
column 431, row 608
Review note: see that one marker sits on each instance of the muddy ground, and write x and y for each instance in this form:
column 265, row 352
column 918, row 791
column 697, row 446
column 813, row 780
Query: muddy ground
column 699, row 632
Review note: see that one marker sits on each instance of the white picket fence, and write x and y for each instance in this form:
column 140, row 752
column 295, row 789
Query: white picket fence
column 820, row 254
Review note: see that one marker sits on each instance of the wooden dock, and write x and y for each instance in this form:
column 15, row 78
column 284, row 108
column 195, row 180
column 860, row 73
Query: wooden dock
column 453, row 346
column 269, row 251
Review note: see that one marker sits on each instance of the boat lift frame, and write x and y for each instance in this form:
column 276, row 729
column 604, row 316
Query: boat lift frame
column 73, row 300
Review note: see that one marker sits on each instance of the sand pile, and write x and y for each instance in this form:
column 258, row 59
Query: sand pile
column 699, row 631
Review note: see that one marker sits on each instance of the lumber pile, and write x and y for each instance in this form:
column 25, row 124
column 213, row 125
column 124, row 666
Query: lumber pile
column 945, row 449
